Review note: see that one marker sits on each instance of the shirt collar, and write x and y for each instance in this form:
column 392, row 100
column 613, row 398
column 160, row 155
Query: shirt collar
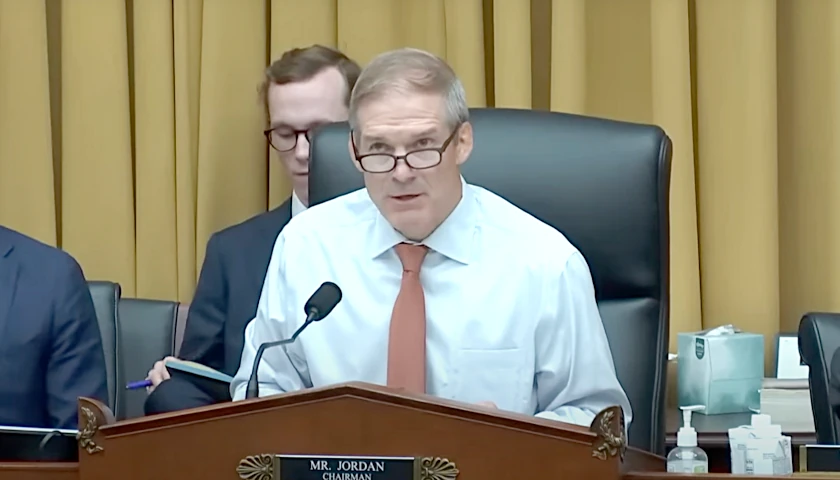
column 453, row 238
column 297, row 205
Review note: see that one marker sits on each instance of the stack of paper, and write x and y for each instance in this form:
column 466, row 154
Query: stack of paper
column 788, row 402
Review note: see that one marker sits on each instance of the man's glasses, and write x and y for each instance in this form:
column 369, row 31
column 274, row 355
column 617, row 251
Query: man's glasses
column 417, row 159
column 283, row 139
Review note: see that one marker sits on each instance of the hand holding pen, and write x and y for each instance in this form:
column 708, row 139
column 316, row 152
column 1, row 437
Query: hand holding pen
column 140, row 384
column 156, row 375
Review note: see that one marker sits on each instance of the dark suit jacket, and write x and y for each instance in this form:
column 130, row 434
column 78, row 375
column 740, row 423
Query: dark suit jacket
column 229, row 288
column 50, row 345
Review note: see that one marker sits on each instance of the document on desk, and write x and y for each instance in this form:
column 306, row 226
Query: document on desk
column 788, row 402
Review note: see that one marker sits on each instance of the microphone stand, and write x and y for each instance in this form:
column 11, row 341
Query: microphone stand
column 253, row 389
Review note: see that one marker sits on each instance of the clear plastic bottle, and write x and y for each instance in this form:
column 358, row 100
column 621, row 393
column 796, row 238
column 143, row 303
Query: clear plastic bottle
column 687, row 457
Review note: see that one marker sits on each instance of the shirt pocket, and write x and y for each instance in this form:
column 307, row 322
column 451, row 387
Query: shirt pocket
column 493, row 375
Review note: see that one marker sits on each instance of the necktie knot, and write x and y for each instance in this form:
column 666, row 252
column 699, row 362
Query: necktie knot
column 411, row 256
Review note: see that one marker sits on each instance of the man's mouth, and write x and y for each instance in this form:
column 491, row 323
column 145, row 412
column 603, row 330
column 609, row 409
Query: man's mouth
column 405, row 198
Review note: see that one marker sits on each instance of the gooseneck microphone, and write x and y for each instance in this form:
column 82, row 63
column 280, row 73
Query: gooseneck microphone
column 319, row 305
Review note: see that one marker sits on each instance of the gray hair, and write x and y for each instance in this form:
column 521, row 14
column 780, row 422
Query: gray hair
column 410, row 70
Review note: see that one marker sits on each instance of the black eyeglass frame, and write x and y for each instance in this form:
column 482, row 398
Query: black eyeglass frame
column 396, row 158
column 297, row 133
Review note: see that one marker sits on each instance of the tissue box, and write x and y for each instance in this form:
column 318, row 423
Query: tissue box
column 722, row 372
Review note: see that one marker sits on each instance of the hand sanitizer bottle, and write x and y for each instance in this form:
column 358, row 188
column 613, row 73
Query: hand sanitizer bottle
column 687, row 457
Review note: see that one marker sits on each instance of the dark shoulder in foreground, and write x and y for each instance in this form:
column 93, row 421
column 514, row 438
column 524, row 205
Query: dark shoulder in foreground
column 34, row 251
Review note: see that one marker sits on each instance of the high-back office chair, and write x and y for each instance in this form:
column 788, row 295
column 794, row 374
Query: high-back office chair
column 135, row 334
column 819, row 338
column 106, row 297
column 147, row 334
column 604, row 184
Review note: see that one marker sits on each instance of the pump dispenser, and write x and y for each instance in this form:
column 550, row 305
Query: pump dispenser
column 687, row 436
column 688, row 457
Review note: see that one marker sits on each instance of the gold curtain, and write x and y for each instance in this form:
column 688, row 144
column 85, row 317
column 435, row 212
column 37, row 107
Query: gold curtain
column 130, row 130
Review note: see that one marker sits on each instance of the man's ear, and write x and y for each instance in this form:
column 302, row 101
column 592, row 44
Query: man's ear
column 353, row 153
column 464, row 145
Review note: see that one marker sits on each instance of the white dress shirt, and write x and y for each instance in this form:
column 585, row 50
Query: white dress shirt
column 297, row 205
column 510, row 306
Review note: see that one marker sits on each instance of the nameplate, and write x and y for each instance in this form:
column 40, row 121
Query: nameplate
column 338, row 467
column 820, row 459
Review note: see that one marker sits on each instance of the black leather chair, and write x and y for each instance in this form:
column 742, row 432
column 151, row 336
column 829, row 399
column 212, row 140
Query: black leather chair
column 605, row 185
column 135, row 334
column 106, row 297
column 819, row 339
column 146, row 335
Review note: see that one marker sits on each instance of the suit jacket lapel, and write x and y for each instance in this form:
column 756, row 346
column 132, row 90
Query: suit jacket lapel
column 287, row 212
column 278, row 218
column 8, row 281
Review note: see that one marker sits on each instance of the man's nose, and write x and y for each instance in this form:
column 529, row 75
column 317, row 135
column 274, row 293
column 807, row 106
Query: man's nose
column 302, row 149
column 402, row 172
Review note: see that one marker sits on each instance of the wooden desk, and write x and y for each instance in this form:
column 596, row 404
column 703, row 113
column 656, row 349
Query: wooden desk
column 39, row 471
column 59, row 471
column 713, row 436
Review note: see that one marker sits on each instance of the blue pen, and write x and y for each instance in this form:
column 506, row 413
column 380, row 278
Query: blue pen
column 140, row 384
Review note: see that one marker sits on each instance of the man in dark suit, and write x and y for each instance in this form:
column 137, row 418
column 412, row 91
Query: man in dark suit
column 302, row 90
column 50, row 345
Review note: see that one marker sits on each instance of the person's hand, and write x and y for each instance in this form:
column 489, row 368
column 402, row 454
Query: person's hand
column 158, row 373
column 487, row 405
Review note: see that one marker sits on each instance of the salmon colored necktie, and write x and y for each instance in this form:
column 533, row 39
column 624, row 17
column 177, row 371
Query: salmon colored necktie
column 407, row 338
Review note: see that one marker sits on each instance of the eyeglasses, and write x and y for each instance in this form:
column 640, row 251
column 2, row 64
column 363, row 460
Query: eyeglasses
column 284, row 140
column 417, row 159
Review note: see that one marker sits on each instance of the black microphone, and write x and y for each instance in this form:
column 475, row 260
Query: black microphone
column 319, row 305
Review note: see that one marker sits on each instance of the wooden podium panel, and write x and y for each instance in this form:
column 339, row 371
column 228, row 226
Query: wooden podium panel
column 38, row 471
column 228, row 441
column 435, row 439
column 47, row 471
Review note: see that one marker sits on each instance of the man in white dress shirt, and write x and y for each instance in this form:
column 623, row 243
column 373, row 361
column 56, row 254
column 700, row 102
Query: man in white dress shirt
column 448, row 289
